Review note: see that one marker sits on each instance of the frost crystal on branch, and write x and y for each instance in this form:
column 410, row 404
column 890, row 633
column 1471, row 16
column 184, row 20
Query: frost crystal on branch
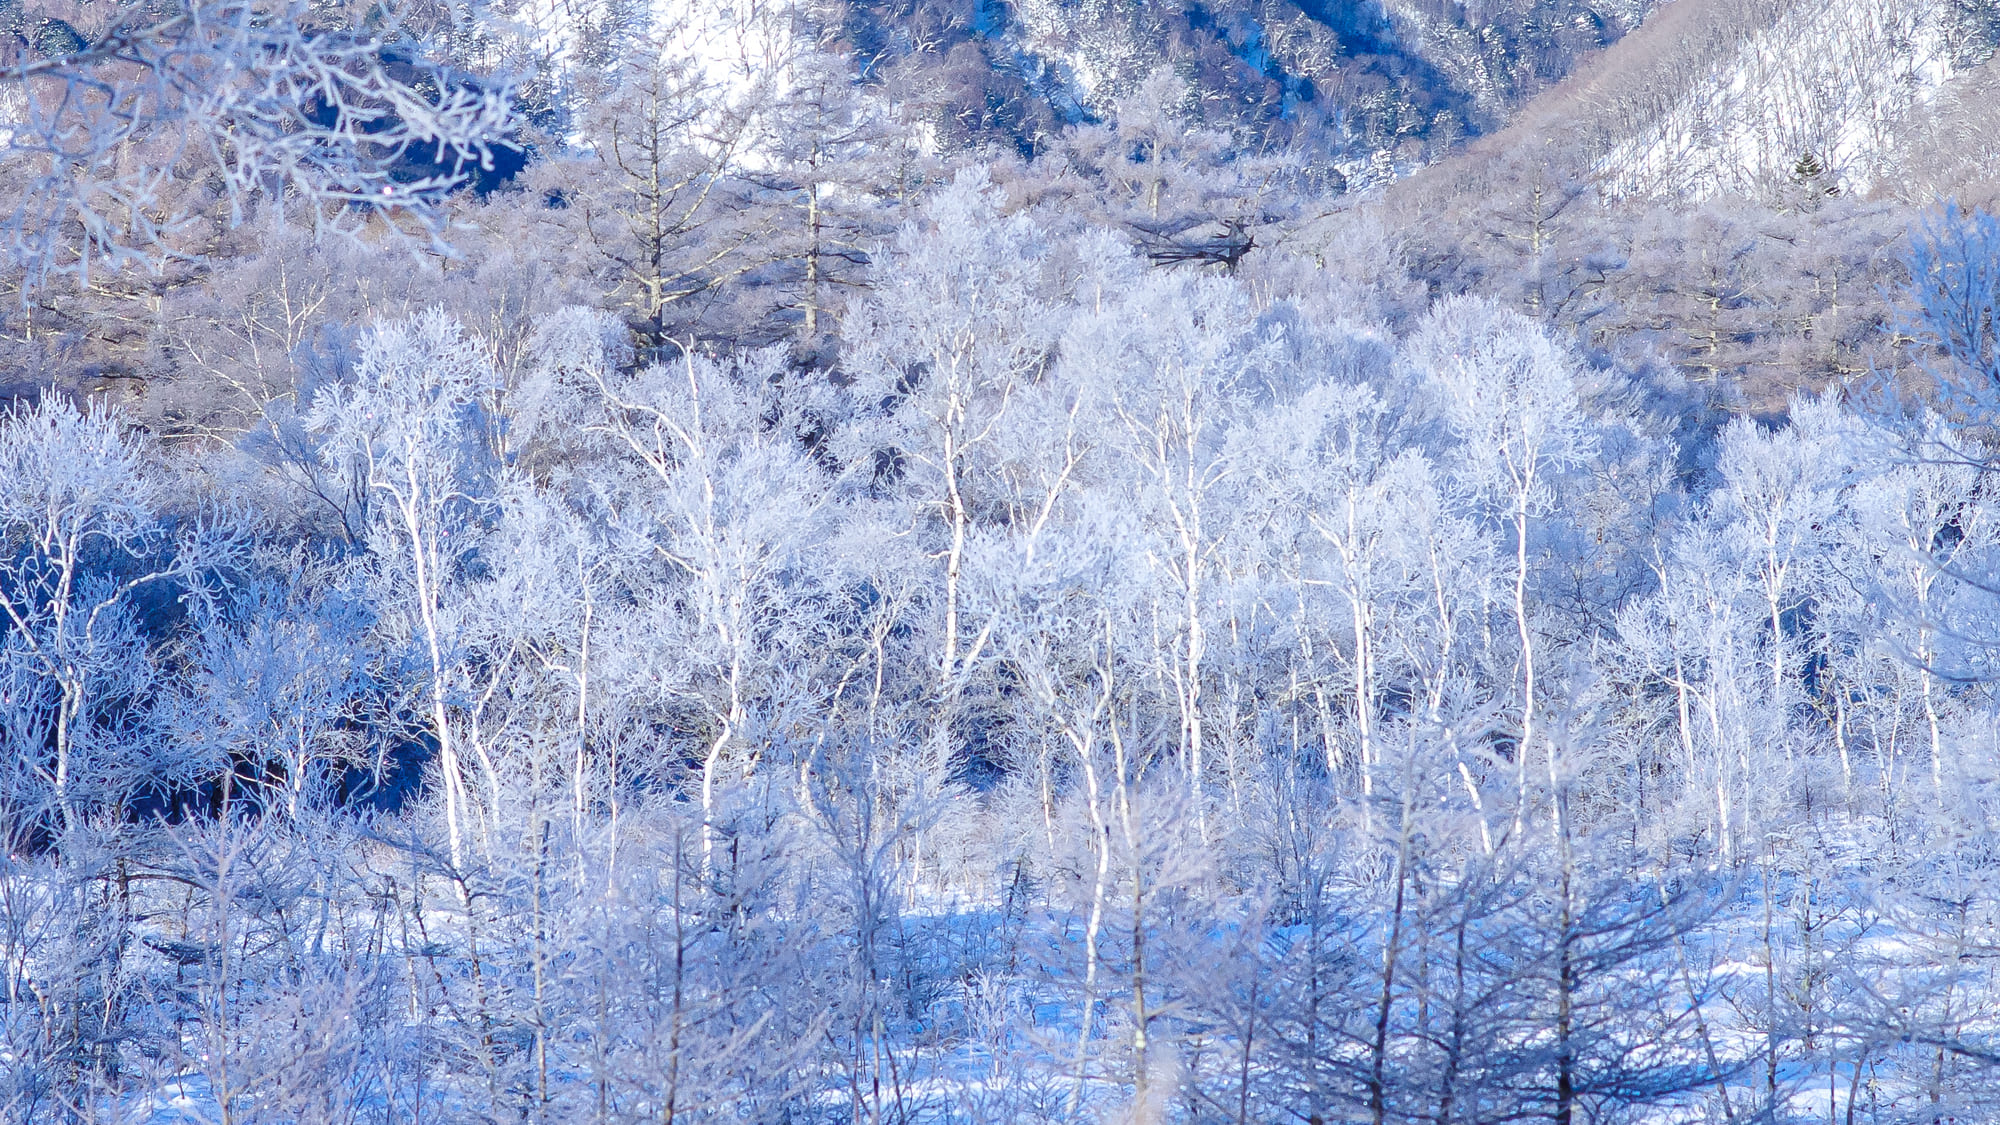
column 121, row 145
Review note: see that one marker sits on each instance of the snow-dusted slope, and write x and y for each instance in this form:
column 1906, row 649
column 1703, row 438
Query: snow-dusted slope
column 1951, row 148
column 1816, row 89
column 1367, row 85
column 730, row 47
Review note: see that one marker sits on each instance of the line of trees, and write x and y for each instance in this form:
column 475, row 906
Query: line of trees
column 1104, row 691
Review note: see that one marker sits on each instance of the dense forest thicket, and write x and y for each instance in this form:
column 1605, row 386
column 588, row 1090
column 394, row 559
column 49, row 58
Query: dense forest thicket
column 1394, row 562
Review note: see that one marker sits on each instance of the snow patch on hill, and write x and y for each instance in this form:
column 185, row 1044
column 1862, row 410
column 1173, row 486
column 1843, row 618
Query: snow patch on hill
column 1829, row 80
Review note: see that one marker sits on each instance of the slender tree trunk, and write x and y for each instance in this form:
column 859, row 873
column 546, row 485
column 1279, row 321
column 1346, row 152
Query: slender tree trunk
column 1527, row 641
column 1379, row 1050
column 540, row 967
column 1197, row 644
column 1770, row 999
column 812, row 252
column 710, row 763
column 959, row 520
column 1140, row 1013
column 1924, row 657
column 1565, row 959
column 1101, row 837
column 1243, row 1069
column 427, row 605
column 676, row 1017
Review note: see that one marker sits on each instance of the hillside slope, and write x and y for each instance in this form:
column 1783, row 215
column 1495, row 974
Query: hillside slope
column 1753, row 97
column 1727, row 192
column 1368, row 87
column 1355, row 78
column 1801, row 90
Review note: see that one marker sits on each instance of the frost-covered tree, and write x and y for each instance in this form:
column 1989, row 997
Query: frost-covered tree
column 413, row 431
column 275, row 694
column 1778, row 494
column 282, row 105
column 959, row 325
column 90, row 551
column 1169, row 361
column 729, row 505
column 1509, row 395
